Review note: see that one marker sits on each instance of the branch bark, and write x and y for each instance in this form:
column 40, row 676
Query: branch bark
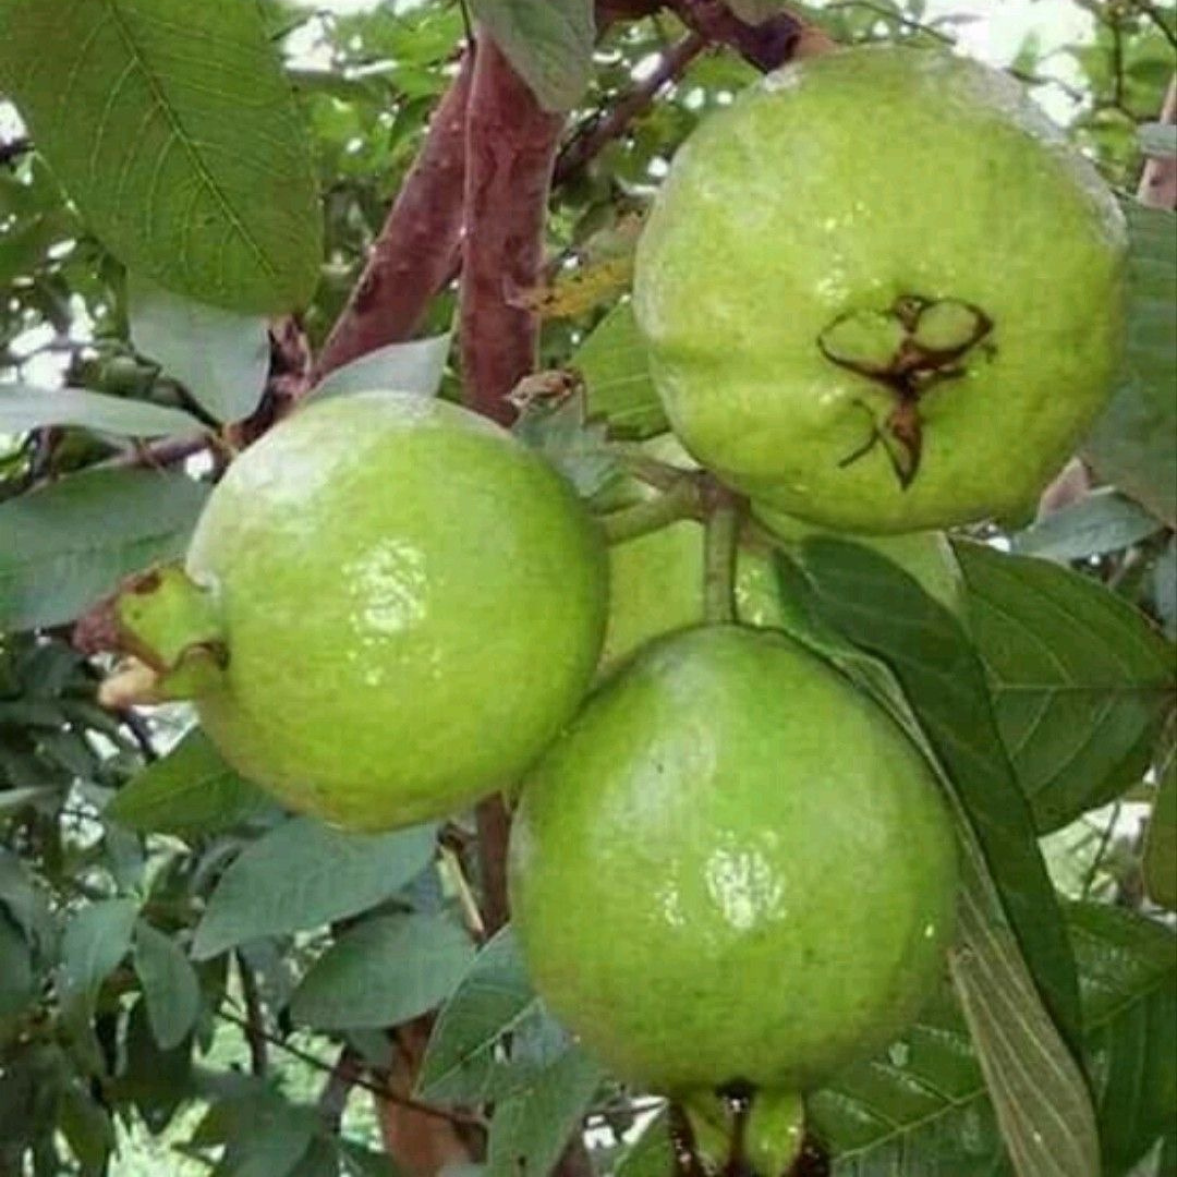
column 510, row 152
column 767, row 45
column 1158, row 184
column 588, row 143
column 417, row 250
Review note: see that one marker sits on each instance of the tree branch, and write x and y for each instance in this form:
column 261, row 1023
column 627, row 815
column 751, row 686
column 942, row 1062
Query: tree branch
column 255, row 1024
column 766, row 45
column 592, row 138
column 417, row 250
column 510, row 151
column 1158, row 183
column 494, row 831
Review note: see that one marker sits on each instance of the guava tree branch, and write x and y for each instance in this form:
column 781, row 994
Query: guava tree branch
column 766, row 45
column 510, row 151
column 1158, row 183
column 417, row 249
column 591, row 139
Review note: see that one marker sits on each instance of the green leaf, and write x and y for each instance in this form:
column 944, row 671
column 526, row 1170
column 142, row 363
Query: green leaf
column 23, row 407
column 531, row 1128
column 303, row 875
column 18, row 984
column 87, row 1128
column 614, row 366
column 170, row 987
column 1130, row 1002
column 417, row 366
column 383, row 972
column 651, row 1155
column 490, row 1000
column 173, row 128
column 64, row 547
column 921, row 1108
column 1080, row 682
column 158, row 1082
column 1132, row 443
column 221, row 357
column 190, row 792
column 22, row 899
column 1038, row 1091
column 1160, row 851
column 885, row 612
column 1105, row 521
column 96, row 939
column 550, row 44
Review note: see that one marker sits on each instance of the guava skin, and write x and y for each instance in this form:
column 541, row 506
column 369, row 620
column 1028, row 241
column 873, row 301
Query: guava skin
column 732, row 867
column 858, row 200
column 413, row 604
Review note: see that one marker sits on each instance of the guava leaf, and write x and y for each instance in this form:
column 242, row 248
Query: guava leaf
column 1160, row 851
column 651, row 1154
column 190, row 792
column 550, row 45
column 531, row 1127
column 383, row 972
column 170, row 987
column 1132, row 443
column 173, row 128
column 1105, row 521
column 303, row 875
column 493, row 997
column 1038, row 1092
column 612, row 361
column 921, row 1106
column 24, row 407
column 222, row 358
column 1080, row 682
column 417, row 366
column 18, row 982
column 67, row 545
column 96, row 939
column 885, row 612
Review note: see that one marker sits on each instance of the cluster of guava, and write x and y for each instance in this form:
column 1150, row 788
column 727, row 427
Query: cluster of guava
column 880, row 296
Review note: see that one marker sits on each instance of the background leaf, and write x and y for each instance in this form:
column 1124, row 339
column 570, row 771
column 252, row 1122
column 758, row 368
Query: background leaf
column 384, row 972
column 493, row 997
column 303, row 875
column 170, row 987
column 1104, row 521
column 190, row 792
column 95, row 940
column 23, row 407
column 417, row 366
column 531, row 1128
column 1080, row 683
column 1132, row 443
column 67, row 545
column 617, row 378
column 222, row 358
column 549, row 44
column 173, row 129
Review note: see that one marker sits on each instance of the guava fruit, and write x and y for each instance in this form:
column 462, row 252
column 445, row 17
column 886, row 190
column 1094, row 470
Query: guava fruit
column 880, row 292
column 732, row 868
column 411, row 604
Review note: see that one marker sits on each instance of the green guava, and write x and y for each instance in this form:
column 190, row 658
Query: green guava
column 766, row 868
column 412, row 603
column 881, row 294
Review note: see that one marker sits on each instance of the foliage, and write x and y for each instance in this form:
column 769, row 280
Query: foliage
column 157, row 912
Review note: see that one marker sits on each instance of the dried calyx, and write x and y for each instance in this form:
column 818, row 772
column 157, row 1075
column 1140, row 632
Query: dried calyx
column 908, row 349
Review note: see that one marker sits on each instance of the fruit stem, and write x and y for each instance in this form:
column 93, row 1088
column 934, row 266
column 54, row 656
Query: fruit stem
column 681, row 501
column 719, row 557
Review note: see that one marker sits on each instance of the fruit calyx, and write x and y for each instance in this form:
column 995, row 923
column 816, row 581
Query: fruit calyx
column 169, row 631
column 737, row 1131
column 909, row 349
